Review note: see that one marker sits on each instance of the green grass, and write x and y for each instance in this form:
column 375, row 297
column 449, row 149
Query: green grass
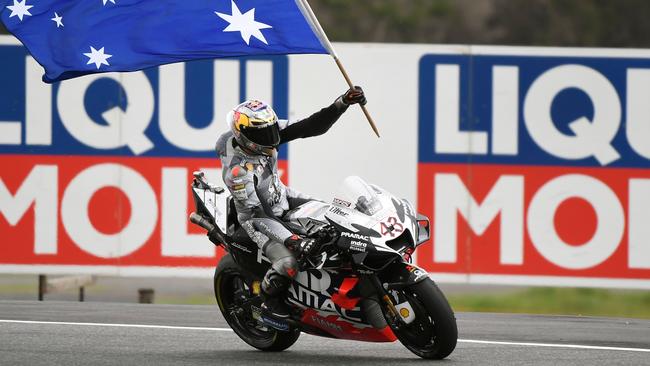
column 539, row 300
column 565, row 301
column 191, row 300
column 18, row 288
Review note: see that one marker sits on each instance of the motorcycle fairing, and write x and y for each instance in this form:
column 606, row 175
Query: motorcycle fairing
column 214, row 204
column 329, row 303
column 400, row 274
column 314, row 288
column 390, row 223
column 341, row 298
column 343, row 329
column 248, row 255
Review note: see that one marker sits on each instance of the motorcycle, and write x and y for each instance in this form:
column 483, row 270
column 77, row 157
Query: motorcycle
column 360, row 285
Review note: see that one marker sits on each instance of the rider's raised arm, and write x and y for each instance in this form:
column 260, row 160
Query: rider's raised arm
column 314, row 125
column 321, row 121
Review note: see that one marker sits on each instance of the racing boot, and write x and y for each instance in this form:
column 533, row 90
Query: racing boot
column 277, row 279
column 284, row 267
column 274, row 287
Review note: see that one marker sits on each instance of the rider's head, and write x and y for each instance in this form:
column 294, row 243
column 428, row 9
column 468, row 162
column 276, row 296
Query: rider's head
column 255, row 127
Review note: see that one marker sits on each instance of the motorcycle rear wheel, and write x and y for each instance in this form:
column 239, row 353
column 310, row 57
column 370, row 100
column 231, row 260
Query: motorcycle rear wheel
column 434, row 333
column 231, row 287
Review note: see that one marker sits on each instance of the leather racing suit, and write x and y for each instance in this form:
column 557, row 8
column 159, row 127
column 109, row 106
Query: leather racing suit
column 262, row 200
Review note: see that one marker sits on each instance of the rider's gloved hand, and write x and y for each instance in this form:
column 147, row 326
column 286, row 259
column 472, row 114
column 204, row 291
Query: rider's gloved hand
column 353, row 96
column 301, row 247
column 327, row 235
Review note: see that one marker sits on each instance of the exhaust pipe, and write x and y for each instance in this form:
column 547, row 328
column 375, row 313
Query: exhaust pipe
column 201, row 221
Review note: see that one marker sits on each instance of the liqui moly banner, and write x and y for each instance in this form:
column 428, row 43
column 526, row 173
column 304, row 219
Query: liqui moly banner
column 96, row 170
column 532, row 163
column 534, row 166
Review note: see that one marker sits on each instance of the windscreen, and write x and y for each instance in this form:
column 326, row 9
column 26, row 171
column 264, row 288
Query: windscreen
column 358, row 195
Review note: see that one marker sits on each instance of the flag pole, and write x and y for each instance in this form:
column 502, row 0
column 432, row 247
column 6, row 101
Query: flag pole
column 326, row 42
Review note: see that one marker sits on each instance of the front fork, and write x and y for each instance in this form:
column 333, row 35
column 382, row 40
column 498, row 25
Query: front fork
column 400, row 275
column 384, row 301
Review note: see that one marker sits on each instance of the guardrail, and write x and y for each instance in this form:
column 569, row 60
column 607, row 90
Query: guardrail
column 51, row 285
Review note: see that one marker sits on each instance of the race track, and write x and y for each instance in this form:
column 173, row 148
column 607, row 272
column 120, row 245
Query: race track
column 69, row 333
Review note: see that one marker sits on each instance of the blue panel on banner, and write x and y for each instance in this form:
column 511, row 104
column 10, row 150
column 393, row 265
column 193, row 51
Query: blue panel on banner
column 575, row 111
column 12, row 85
column 108, row 94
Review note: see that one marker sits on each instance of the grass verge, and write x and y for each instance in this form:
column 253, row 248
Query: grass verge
column 535, row 300
column 565, row 301
column 186, row 300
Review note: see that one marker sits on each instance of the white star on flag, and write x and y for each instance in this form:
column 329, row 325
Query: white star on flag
column 105, row 1
column 97, row 57
column 58, row 19
column 244, row 23
column 20, row 9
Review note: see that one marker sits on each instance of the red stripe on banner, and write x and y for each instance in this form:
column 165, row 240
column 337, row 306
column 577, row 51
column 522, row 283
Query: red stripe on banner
column 68, row 210
column 532, row 220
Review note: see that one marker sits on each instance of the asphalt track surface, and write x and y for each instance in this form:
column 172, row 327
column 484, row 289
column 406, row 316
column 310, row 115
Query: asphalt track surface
column 69, row 333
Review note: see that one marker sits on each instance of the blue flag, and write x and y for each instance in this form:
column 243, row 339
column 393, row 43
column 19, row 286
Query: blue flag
column 70, row 38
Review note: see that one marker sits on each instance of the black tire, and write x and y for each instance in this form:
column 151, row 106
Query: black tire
column 228, row 281
column 433, row 334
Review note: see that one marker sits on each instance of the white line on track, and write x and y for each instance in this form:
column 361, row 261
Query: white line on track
column 556, row 345
column 505, row 343
column 117, row 325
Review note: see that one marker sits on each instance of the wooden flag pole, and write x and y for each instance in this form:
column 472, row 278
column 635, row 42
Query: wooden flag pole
column 351, row 85
column 326, row 42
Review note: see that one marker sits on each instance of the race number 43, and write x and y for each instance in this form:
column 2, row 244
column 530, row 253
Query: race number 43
column 391, row 227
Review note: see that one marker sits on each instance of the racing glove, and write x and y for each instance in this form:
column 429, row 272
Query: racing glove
column 301, row 247
column 353, row 96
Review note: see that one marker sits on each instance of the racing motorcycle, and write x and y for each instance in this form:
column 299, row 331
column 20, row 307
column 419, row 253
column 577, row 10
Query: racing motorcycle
column 360, row 285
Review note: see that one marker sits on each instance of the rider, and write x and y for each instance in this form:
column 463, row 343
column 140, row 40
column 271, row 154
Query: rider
column 249, row 160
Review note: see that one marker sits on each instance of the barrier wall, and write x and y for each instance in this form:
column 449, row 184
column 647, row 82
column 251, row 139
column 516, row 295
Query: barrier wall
column 531, row 162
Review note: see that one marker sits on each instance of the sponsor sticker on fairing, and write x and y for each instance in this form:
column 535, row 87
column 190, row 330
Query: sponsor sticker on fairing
column 340, row 202
column 337, row 211
column 350, row 235
column 358, row 246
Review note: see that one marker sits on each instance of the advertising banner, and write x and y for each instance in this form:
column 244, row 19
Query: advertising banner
column 533, row 165
column 96, row 170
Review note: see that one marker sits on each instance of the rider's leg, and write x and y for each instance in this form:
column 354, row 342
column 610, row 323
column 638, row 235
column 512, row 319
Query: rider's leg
column 278, row 278
column 270, row 236
column 296, row 198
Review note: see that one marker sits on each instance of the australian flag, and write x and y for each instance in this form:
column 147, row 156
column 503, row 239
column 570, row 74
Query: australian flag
column 70, row 38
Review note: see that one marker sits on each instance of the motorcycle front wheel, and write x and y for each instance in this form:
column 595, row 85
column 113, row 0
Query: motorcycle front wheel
column 433, row 334
column 231, row 290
